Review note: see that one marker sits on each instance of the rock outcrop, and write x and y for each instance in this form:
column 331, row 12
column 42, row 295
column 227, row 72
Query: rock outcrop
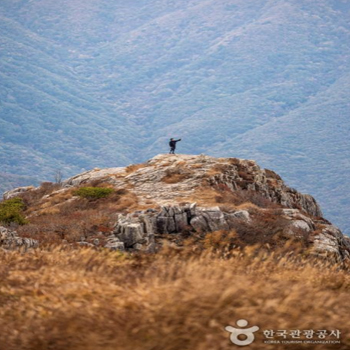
column 137, row 231
column 331, row 242
column 17, row 191
column 92, row 175
column 167, row 179
column 247, row 175
column 235, row 174
column 9, row 240
column 139, row 228
column 176, row 194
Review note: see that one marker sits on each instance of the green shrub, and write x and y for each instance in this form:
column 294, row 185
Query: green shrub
column 93, row 192
column 11, row 211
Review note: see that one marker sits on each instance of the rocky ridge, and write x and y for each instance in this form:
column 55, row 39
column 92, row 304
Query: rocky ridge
column 179, row 194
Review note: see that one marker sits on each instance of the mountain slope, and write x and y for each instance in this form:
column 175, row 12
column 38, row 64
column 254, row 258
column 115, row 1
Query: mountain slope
column 86, row 84
column 48, row 120
column 312, row 151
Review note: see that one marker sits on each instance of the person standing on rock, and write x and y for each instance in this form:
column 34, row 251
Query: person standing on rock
column 172, row 144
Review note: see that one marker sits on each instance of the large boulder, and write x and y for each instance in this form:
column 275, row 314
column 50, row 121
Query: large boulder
column 208, row 220
column 135, row 231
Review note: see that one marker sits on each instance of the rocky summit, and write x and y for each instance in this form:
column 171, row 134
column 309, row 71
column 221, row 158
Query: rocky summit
column 172, row 197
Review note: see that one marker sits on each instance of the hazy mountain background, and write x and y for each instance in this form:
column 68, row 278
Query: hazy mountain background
column 99, row 83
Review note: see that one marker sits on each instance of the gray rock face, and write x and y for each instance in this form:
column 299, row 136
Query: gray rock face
column 11, row 241
column 6, row 234
column 209, row 219
column 114, row 243
column 247, row 175
column 137, row 230
column 299, row 223
column 172, row 219
column 331, row 242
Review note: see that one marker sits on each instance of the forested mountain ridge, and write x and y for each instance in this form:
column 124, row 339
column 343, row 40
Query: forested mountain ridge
column 87, row 83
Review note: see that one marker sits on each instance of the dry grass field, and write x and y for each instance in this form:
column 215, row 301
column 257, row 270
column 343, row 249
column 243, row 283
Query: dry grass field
column 61, row 297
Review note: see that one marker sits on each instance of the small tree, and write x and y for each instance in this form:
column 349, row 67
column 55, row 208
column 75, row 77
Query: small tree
column 11, row 211
column 58, row 176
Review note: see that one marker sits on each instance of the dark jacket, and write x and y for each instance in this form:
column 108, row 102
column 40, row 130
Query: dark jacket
column 172, row 143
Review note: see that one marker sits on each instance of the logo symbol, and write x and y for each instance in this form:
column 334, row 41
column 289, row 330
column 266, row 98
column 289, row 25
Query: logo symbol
column 247, row 332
